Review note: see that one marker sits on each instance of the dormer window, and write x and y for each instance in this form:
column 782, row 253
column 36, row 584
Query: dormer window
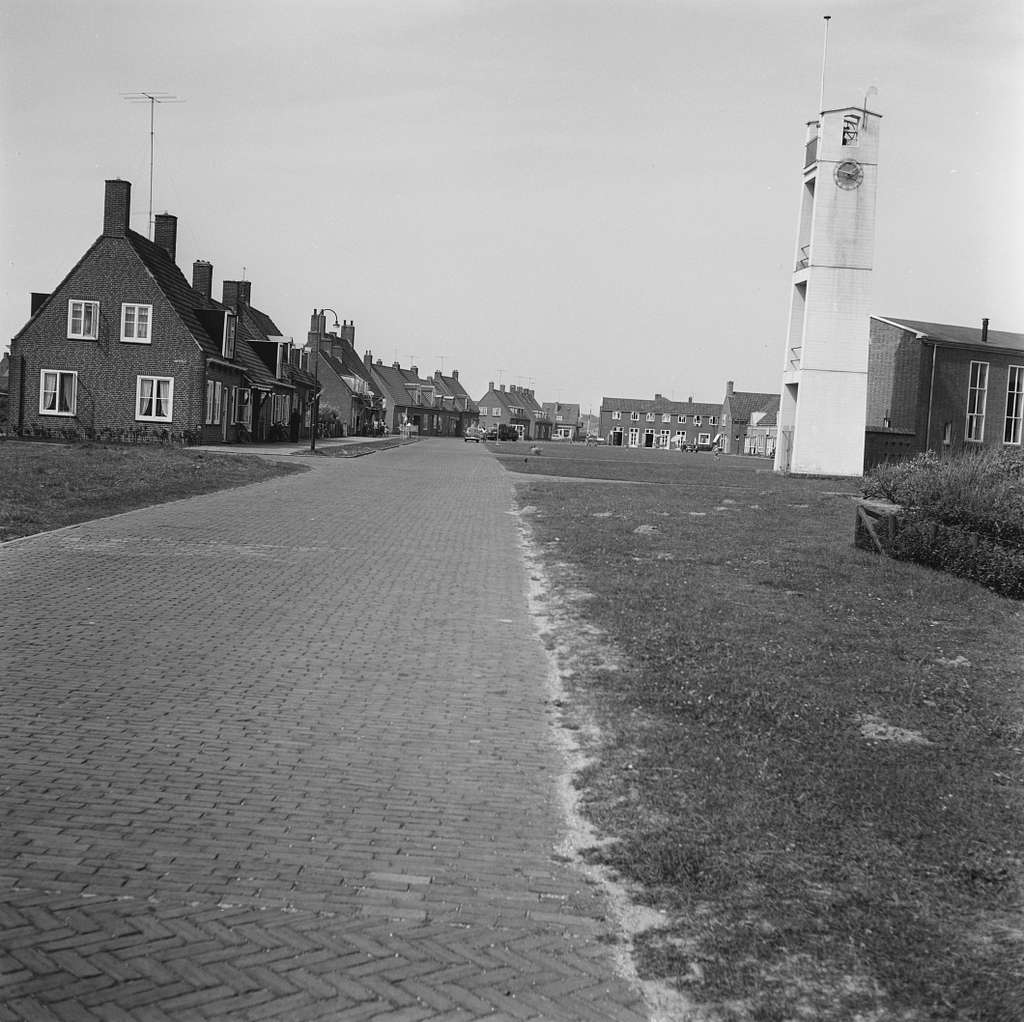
column 228, row 340
column 83, row 320
column 851, row 130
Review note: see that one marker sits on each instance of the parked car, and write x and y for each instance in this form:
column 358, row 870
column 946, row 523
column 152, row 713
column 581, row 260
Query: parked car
column 507, row 432
column 491, row 434
column 593, row 438
column 474, row 433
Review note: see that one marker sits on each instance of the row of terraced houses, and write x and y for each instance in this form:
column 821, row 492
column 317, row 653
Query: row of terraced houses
column 125, row 348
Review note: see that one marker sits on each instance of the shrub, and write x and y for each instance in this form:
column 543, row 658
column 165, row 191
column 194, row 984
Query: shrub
column 962, row 514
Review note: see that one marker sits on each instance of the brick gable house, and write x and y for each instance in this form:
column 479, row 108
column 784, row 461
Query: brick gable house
column 125, row 348
column 501, row 407
column 741, row 410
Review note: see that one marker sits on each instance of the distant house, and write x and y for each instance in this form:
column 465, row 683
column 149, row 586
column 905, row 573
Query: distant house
column 424, row 407
column 452, row 390
column 938, row 387
column 125, row 348
column 501, row 407
column 541, row 425
column 565, row 420
column 738, row 409
column 659, row 423
column 762, row 431
column 347, row 387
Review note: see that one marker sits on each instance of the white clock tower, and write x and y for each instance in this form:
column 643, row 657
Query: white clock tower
column 824, row 379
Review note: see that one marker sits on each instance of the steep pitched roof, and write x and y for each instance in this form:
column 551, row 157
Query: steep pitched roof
column 966, row 335
column 569, row 412
column 742, row 403
column 393, row 380
column 660, row 405
column 769, row 413
column 348, row 359
column 179, row 292
column 451, row 386
column 253, row 325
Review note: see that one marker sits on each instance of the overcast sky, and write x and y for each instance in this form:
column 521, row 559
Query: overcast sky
column 592, row 198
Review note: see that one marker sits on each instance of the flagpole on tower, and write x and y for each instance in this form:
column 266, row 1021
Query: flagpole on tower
column 824, row 56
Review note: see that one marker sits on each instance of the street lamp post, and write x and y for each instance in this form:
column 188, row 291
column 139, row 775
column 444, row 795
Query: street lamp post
column 314, row 418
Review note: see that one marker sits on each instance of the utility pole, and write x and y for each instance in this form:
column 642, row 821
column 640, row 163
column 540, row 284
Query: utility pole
column 152, row 98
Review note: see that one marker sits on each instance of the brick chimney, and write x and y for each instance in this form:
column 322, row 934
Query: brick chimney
column 490, row 386
column 367, row 358
column 117, row 201
column 165, row 232
column 984, row 331
column 415, row 370
column 236, row 293
column 455, row 374
column 348, row 331
column 202, row 277
column 728, row 388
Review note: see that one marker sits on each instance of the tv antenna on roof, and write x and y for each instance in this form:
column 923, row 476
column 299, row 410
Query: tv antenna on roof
column 152, row 98
column 441, row 358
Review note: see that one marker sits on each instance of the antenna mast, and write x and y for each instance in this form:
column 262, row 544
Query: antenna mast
column 824, row 55
column 152, row 98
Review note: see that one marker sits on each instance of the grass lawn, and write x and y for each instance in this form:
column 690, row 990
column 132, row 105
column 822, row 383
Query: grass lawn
column 46, row 486
column 807, row 755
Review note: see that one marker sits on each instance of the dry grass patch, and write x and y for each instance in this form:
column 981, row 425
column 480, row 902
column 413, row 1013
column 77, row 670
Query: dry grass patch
column 810, row 757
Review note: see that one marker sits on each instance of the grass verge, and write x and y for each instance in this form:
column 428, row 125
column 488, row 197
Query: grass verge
column 809, row 756
column 46, row 486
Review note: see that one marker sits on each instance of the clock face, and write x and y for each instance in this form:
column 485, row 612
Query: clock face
column 849, row 174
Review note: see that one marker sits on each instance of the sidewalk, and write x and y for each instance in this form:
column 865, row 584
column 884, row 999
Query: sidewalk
column 284, row 752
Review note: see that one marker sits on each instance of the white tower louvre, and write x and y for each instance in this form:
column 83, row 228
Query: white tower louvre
column 824, row 379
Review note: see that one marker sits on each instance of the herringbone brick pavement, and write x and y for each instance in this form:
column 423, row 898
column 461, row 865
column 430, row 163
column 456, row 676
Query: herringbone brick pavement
column 285, row 752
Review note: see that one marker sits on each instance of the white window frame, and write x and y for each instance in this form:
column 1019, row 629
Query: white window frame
column 696, row 420
column 634, row 436
column 214, row 397
column 712, row 420
column 56, row 391
column 140, row 416
column 227, row 342
column 496, row 412
column 703, row 438
column 634, row 416
column 681, row 418
column 79, row 306
column 1014, row 417
column 666, row 417
column 616, row 415
column 977, row 399
column 134, row 336
column 650, row 416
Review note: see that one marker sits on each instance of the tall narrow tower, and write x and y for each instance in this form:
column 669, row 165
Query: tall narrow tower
column 824, row 378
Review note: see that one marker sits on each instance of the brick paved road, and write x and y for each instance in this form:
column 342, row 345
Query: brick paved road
column 284, row 752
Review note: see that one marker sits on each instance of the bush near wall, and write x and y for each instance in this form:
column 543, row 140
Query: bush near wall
column 961, row 514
